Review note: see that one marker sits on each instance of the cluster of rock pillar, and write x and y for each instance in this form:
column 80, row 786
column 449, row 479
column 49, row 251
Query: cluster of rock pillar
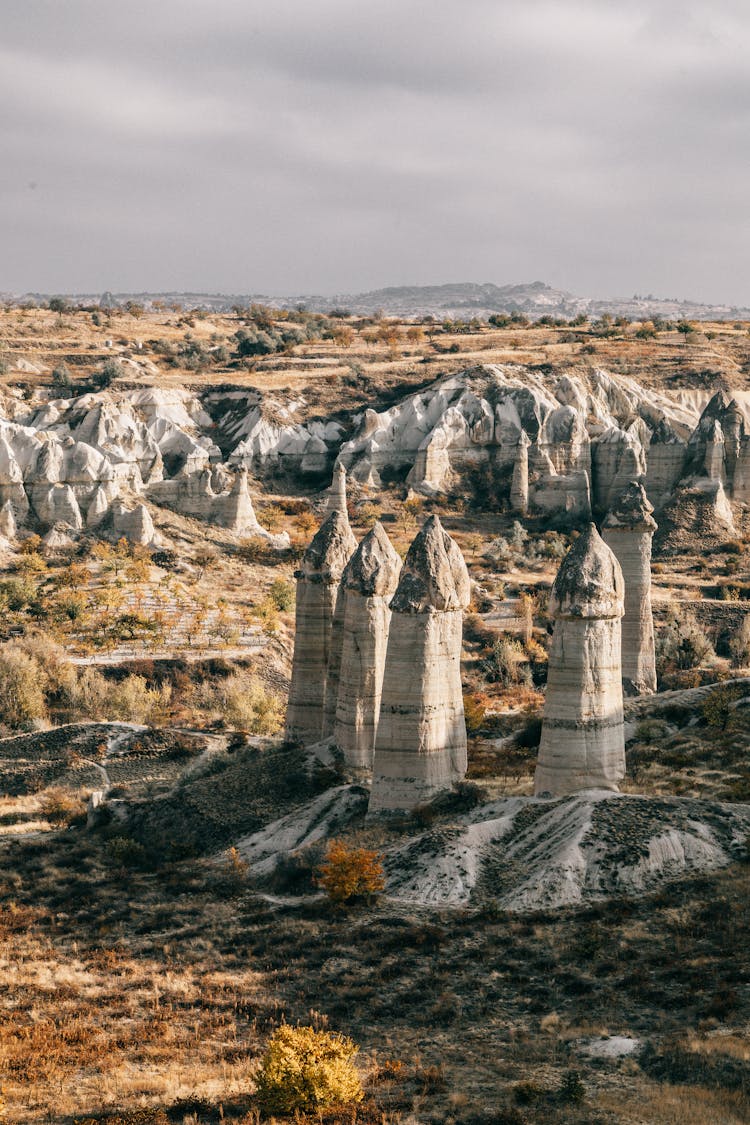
column 603, row 642
column 377, row 658
column 378, row 648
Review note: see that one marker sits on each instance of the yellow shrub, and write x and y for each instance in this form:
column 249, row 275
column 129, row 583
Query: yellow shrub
column 305, row 1069
column 348, row 873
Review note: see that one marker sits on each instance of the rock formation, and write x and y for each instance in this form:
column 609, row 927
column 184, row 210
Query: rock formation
column 318, row 579
column 629, row 530
column 134, row 524
column 336, row 500
column 583, row 743
column 8, row 526
column 235, row 510
column 519, row 484
column 420, row 744
column 367, row 586
column 579, row 439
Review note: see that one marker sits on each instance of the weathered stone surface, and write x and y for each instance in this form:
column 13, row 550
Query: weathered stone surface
column 583, row 744
column 134, row 524
column 420, row 744
column 519, row 484
column 318, row 579
column 8, row 526
column 354, row 689
column 336, row 501
column 235, row 510
column 56, row 504
column 629, row 530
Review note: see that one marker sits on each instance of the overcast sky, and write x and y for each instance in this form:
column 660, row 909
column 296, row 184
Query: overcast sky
column 300, row 146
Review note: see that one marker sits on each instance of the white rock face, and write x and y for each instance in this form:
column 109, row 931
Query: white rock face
column 581, row 848
column 367, row 586
column 420, row 745
column 317, row 585
column 336, row 501
column 585, row 436
column 134, row 524
column 629, row 530
column 519, row 485
column 583, row 742
column 8, row 526
column 234, row 510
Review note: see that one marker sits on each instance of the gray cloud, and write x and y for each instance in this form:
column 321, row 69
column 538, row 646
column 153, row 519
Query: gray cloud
column 330, row 146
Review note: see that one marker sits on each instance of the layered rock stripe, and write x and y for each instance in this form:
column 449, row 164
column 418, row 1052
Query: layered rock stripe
column 583, row 741
column 420, row 744
column 318, row 580
column 367, row 586
column 629, row 530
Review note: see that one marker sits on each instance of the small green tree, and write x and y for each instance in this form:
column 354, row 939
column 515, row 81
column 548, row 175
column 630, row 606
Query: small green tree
column 110, row 370
column 61, row 377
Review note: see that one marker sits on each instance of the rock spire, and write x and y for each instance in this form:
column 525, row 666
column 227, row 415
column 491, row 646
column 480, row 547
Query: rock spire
column 336, row 501
column 628, row 530
column 367, row 586
column 583, row 742
column 420, row 744
column 318, row 579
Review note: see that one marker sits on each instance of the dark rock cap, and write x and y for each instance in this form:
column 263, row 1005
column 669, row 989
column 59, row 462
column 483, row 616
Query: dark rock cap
column 374, row 567
column 329, row 552
column 632, row 510
column 589, row 583
column 434, row 574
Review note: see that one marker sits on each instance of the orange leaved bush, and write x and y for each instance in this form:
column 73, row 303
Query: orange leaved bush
column 349, row 873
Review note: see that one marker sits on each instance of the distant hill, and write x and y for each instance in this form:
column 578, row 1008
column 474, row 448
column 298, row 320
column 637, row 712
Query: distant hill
column 459, row 300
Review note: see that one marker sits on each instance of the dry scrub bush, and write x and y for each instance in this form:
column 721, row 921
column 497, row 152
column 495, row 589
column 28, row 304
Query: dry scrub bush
column 131, row 700
column 349, row 873
column 305, row 1069
column 21, row 687
column 61, row 807
column 242, row 702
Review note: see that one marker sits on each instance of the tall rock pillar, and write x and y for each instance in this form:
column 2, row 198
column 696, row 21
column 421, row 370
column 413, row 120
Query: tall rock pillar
column 367, row 586
column 628, row 530
column 420, row 744
column 583, row 741
column 519, row 485
column 317, row 584
column 336, row 501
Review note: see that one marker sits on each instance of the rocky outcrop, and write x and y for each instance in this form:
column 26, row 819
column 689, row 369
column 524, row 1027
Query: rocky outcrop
column 318, row 579
column 420, row 744
column 583, row 744
column 336, row 499
column 519, row 484
column 367, row 586
column 584, row 437
column 8, row 525
column 134, row 524
column 578, row 438
column 629, row 530
column 234, row 509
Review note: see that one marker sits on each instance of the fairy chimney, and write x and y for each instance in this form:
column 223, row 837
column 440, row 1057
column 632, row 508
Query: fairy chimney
column 367, row 586
column 583, row 743
column 628, row 530
column 317, row 584
column 336, row 501
column 519, row 485
column 420, row 743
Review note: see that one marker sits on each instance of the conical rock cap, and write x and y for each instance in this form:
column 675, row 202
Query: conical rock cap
column 589, row 582
column 329, row 552
column 434, row 574
column 374, row 568
column 632, row 510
